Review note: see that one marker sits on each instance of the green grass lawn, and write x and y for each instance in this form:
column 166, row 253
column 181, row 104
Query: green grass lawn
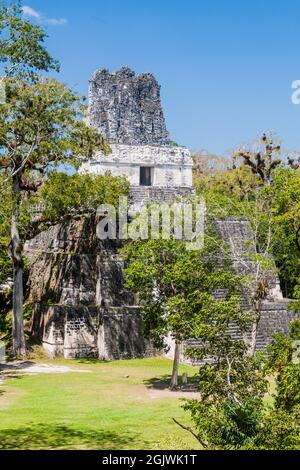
column 117, row 405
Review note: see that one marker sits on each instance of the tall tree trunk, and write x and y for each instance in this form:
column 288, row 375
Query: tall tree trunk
column 18, row 336
column 253, row 341
column 174, row 380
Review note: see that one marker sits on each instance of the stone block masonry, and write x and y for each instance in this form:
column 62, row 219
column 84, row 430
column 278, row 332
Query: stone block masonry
column 275, row 318
column 171, row 166
column 82, row 308
column 76, row 281
column 106, row 333
column 126, row 108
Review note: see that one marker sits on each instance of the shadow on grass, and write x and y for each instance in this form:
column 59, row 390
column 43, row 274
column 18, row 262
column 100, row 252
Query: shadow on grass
column 41, row 436
column 89, row 360
column 11, row 375
column 163, row 383
column 16, row 366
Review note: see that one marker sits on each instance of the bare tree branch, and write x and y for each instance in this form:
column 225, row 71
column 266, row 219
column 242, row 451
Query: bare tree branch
column 186, row 428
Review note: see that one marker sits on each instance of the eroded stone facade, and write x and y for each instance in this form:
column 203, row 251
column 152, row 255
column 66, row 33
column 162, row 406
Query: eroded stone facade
column 76, row 281
column 170, row 166
column 83, row 309
column 126, row 107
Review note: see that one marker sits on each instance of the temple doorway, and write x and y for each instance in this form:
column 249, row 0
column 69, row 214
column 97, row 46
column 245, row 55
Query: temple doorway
column 146, row 176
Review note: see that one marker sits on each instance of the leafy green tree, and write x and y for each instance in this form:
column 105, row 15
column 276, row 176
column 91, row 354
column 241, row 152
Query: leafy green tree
column 261, row 189
column 280, row 424
column 23, row 56
column 231, row 413
column 231, row 383
column 240, row 194
column 175, row 289
column 278, row 430
column 262, row 186
column 22, row 50
column 63, row 195
column 5, row 210
column 41, row 125
column 284, row 360
column 285, row 193
column 5, row 262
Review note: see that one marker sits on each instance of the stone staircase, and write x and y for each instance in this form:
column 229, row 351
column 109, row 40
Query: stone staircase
column 141, row 195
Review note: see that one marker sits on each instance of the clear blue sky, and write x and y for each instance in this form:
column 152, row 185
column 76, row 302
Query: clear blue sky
column 225, row 66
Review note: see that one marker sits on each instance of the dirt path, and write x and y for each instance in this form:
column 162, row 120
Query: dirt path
column 32, row 368
column 8, row 395
column 12, row 369
column 166, row 393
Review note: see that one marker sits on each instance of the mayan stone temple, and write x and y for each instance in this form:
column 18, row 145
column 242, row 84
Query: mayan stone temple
column 76, row 280
column 126, row 109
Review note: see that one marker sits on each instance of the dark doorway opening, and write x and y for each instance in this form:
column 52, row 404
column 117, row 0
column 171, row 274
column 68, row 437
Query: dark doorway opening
column 146, row 176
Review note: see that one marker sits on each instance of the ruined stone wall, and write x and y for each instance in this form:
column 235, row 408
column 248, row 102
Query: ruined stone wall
column 276, row 315
column 81, row 306
column 126, row 108
column 172, row 166
column 239, row 237
column 275, row 318
column 141, row 195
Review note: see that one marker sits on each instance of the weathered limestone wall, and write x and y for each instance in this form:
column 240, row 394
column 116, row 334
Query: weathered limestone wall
column 237, row 234
column 141, row 195
column 83, row 310
column 275, row 318
column 106, row 333
column 126, row 108
column 276, row 315
column 81, row 306
column 172, row 166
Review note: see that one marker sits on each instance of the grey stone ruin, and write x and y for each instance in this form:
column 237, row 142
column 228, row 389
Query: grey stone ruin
column 81, row 307
column 126, row 108
column 2, row 353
